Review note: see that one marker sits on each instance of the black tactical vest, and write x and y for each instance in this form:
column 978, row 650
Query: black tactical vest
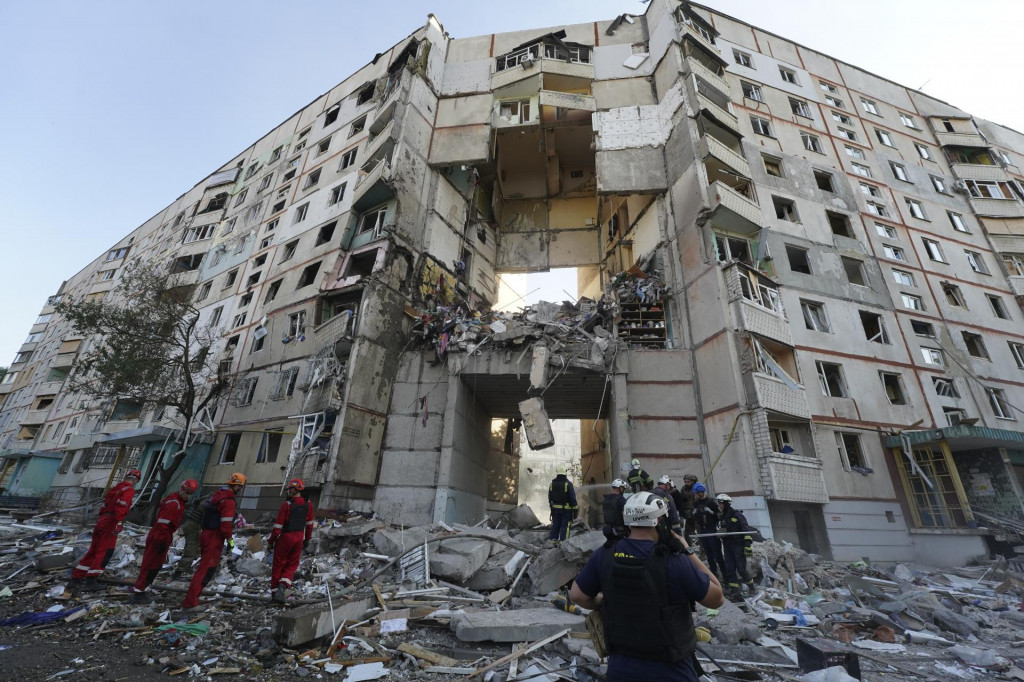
column 296, row 516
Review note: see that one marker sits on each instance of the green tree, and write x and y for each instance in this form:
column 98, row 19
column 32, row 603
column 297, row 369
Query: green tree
column 148, row 346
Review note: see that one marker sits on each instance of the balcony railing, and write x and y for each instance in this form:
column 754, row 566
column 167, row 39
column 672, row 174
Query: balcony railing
column 960, row 140
column 977, row 171
column 797, row 479
column 709, row 76
column 720, row 115
column 709, row 146
column 734, row 211
column 35, row 416
column 773, row 394
column 566, row 100
column 997, row 208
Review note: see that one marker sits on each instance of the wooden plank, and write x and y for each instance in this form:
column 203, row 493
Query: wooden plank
column 518, row 653
column 427, row 655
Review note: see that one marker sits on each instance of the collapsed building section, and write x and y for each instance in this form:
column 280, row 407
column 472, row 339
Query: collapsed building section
column 823, row 326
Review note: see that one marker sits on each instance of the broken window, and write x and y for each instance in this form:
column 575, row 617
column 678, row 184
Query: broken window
column 308, row 275
column 840, row 224
column 284, row 387
column 516, row 111
column 850, row 452
column 272, row 225
column 289, row 250
column 814, row 316
column 253, row 279
column 998, row 308
column 781, row 441
column 847, row 134
column 270, row 446
column 944, row 387
column 326, row 233
column 933, row 356
column 773, row 166
column 332, row 115
column 272, row 291
column 830, row 376
column 776, row 360
column 279, row 206
column 357, row 126
column 798, row 260
column 257, row 343
column 812, row 143
column 854, row 269
column 957, row 221
column 117, row 254
column 336, row 194
column 916, row 209
column 347, row 159
column 800, row 108
column 366, row 94
column 742, row 58
column 126, row 410
column 953, row 294
column 265, row 182
column 238, row 321
column 229, row 448
column 933, row 249
column 923, row 151
column 785, row 209
column 331, row 307
column 253, row 214
column 373, row 221
column 215, row 316
column 761, row 126
column 788, row 75
column 975, row 345
column 312, row 179
column 760, row 290
column 893, row 385
column 976, row 261
column 526, row 55
column 752, row 91
column 216, row 203
column 200, row 233
column 187, row 263
column 230, row 279
column 874, row 327
column 300, row 213
column 912, row 302
column 903, row 277
column 824, row 181
column 297, row 323
column 997, row 399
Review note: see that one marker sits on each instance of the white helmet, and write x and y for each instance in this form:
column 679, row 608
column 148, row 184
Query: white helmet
column 561, row 470
column 635, row 463
column 618, row 483
column 722, row 497
column 644, row 510
column 664, row 479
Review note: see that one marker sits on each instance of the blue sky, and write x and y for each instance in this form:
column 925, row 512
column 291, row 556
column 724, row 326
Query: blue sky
column 111, row 109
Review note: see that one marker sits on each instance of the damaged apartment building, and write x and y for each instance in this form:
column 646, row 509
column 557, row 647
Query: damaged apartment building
column 838, row 345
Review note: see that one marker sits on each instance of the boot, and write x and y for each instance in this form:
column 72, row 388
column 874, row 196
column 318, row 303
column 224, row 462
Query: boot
column 91, row 585
column 280, row 594
column 141, row 598
column 74, row 587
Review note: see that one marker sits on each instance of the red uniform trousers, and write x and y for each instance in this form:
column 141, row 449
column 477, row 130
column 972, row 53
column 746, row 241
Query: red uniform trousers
column 104, row 539
column 211, row 544
column 157, row 542
column 287, row 552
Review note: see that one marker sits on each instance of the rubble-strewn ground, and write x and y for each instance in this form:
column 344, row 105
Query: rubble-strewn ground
column 443, row 602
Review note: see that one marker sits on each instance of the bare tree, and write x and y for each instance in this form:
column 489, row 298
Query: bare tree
column 148, row 346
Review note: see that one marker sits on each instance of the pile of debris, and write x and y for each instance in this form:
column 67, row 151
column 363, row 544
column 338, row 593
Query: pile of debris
column 487, row 601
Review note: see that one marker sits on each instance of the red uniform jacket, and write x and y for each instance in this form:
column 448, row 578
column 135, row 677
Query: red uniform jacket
column 224, row 502
column 281, row 524
column 118, row 501
column 171, row 514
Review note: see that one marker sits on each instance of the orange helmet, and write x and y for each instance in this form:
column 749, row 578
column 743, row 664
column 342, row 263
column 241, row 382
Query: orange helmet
column 297, row 484
column 189, row 486
column 134, row 472
column 236, row 479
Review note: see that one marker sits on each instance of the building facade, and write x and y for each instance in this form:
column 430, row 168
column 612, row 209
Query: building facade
column 839, row 347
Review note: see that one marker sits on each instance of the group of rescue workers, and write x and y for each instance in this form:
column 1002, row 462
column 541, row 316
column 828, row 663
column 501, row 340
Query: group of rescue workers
column 215, row 516
column 724, row 534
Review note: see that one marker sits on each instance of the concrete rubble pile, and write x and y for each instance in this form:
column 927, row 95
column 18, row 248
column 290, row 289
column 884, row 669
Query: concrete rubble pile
column 374, row 601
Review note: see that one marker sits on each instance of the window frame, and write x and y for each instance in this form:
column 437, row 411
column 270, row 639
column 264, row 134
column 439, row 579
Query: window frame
column 812, row 143
column 885, row 137
column 870, row 106
column 820, row 367
column 903, row 278
column 844, row 453
column 761, row 126
column 751, row 91
column 1000, row 407
column 815, row 316
column 956, row 219
column 903, row 398
column 788, row 75
column 916, row 208
column 934, row 250
column 742, row 58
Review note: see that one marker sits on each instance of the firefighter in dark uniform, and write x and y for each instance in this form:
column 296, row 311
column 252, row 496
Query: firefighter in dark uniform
column 562, row 501
column 736, row 548
column 638, row 478
column 685, row 501
column 706, row 515
column 662, row 490
column 612, row 505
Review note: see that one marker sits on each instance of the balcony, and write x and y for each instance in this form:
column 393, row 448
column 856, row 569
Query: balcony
column 960, row 140
column 64, row 360
column 372, row 189
column 711, row 147
column 708, row 76
column 1017, row 284
column 796, row 479
column 566, row 100
column 50, row 387
column 183, row 279
column 718, row 114
column 997, row 208
column 776, row 396
column 732, row 211
column 380, row 140
column 529, row 69
column 975, row 171
column 688, row 31
column 765, row 322
column 35, row 417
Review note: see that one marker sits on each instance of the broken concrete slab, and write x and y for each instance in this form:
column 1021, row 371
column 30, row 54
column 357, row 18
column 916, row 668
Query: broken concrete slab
column 493, row 574
column 251, row 567
column 496, row 533
column 399, row 541
column 524, row 625
column 51, row 561
column 459, row 560
column 577, row 547
column 306, row 623
column 536, row 423
column 522, row 517
column 551, row 571
column 354, row 528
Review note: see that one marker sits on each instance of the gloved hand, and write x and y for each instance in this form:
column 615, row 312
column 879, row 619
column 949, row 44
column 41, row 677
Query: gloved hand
column 230, row 544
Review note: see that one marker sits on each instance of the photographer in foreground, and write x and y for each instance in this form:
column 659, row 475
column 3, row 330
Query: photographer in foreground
column 645, row 586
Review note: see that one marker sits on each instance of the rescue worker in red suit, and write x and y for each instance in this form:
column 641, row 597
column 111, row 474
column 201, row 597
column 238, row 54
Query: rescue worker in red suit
column 116, row 504
column 218, row 524
column 293, row 528
column 168, row 519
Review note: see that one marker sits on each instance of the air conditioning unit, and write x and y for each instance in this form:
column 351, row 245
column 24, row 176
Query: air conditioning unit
column 960, row 186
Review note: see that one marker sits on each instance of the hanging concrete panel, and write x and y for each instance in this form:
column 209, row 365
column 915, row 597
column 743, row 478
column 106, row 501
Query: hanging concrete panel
column 538, row 427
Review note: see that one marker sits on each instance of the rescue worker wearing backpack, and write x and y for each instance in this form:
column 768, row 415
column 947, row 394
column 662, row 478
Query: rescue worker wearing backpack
column 612, row 506
column 158, row 540
column 562, row 501
column 292, row 531
column 218, row 528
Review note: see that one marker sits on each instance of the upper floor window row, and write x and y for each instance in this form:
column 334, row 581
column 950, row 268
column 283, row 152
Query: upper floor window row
column 568, row 52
